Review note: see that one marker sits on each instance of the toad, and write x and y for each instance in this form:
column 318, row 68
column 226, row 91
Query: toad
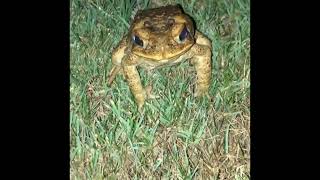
column 157, row 38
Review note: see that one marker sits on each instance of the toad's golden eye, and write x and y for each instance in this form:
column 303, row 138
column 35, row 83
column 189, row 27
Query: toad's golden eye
column 137, row 40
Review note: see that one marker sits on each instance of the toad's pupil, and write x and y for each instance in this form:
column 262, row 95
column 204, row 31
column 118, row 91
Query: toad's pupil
column 184, row 33
column 138, row 41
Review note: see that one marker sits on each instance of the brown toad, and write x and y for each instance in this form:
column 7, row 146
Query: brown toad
column 161, row 37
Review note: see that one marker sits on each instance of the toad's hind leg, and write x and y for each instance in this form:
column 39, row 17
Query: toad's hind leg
column 202, row 63
column 114, row 71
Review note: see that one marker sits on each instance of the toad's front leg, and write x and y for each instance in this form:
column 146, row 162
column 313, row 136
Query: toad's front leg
column 202, row 62
column 132, row 76
column 118, row 55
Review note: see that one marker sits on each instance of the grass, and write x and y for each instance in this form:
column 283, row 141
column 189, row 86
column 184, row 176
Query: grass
column 178, row 136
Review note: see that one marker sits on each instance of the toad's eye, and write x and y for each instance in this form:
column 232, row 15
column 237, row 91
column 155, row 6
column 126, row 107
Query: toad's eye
column 183, row 35
column 137, row 40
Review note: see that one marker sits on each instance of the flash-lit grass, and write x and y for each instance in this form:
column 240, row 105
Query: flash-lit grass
column 177, row 136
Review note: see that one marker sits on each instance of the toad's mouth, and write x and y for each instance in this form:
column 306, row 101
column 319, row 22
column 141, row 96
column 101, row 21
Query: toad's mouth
column 161, row 53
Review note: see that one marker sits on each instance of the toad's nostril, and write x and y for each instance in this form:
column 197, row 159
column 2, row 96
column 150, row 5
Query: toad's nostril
column 147, row 24
column 171, row 22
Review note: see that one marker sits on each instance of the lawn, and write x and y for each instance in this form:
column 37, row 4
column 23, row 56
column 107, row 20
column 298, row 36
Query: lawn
column 178, row 136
